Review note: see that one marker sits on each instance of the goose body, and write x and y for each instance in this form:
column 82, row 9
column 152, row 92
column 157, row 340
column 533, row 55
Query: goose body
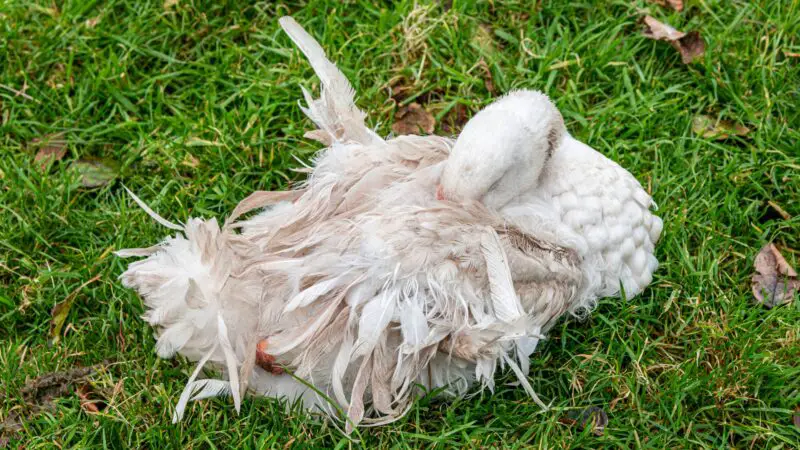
column 399, row 263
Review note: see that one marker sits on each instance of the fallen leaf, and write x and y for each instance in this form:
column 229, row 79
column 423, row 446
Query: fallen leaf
column 796, row 418
column 567, row 421
column 59, row 316
column 94, row 173
column 89, row 401
column 400, row 88
column 791, row 54
column 709, row 128
column 170, row 3
column 690, row 45
column 86, row 404
column 52, row 148
column 598, row 417
column 661, row 31
column 775, row 282
column 677, row 5
column 60, row 311
column 772, row 261
column 413, row 119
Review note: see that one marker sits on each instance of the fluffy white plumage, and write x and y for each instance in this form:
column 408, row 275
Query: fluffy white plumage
column 413, row 261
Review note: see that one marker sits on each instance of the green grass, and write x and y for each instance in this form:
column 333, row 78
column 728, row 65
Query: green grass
column 691, row 363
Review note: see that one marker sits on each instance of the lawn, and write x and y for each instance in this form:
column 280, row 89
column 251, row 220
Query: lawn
column 193, row 105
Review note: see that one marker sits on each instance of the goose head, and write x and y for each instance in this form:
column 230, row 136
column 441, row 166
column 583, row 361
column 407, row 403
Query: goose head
column 503, row 150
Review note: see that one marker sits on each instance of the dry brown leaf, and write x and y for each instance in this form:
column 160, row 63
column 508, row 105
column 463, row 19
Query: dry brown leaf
column 413, row 119
column 775, row 282
column 52, row 148
column 94, row 172
column 796, row 418
column 400, row 88
column 677, row 5
column 707, row 127
column 60, row 311
column 567, row 421
column 89, row 404
column 690, row 45
column 791, row 54
column 661, row 31
column 170, row 3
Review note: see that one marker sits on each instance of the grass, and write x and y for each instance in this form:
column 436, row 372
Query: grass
column 196, row 106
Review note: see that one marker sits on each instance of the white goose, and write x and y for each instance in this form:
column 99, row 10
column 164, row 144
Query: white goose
column 414, row 261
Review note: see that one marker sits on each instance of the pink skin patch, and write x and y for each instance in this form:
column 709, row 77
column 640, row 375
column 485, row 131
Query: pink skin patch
column 439, row 192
